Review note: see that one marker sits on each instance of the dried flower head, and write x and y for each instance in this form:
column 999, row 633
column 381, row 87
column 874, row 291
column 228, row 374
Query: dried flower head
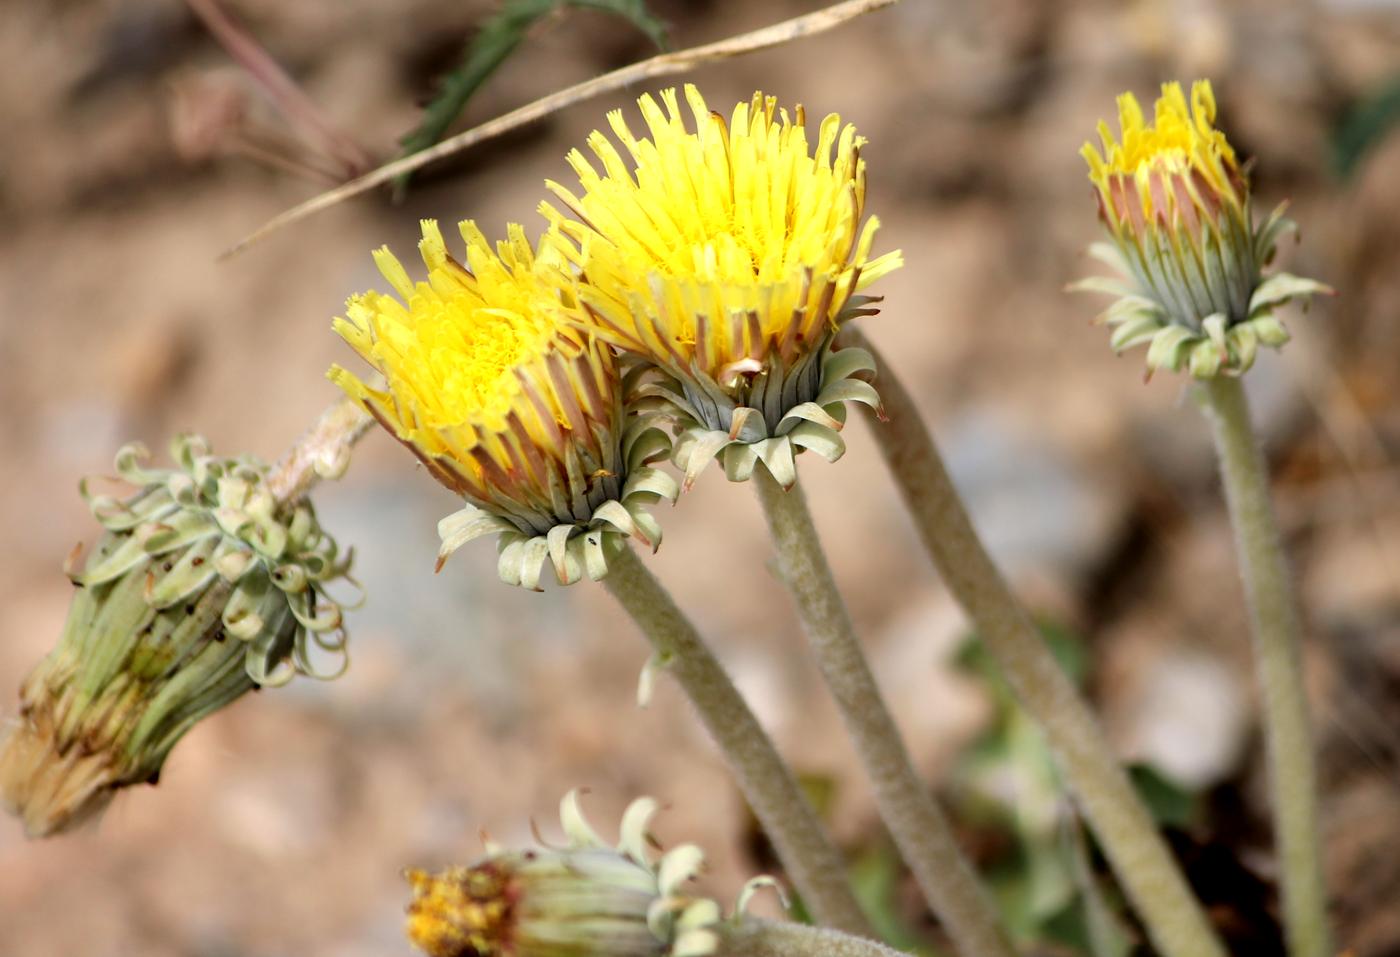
column 496, row 386
column 203, row 587
column 1176, row 203
column 586, row 899
column 728, row 257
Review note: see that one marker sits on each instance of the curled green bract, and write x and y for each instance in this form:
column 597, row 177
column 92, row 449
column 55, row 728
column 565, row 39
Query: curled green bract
column 202, row 588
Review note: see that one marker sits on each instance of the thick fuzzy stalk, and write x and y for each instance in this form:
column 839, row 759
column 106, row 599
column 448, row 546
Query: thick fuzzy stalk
column 812, row 862
column 749, row 937
column 1278, row 660
column 1122, row 825
column 906, row 803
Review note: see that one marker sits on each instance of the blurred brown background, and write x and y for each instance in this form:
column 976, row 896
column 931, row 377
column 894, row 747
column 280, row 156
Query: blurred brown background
column 280, row 825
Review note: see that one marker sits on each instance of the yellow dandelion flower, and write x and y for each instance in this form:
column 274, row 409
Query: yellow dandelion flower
column 495, row 384
column 1175, row 201
column 728, row 256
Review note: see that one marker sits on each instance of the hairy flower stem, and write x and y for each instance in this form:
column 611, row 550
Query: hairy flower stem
column 812, row 862
column 751, row 937
column 1123, row 826
column 918, row 826
column 1278, row 660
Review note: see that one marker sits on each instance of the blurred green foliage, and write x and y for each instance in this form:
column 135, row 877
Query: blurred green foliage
column 498, row 37
column 1368, row 122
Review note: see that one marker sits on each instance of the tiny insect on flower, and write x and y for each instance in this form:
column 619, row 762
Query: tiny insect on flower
column 1176, row 204
column 729, row 256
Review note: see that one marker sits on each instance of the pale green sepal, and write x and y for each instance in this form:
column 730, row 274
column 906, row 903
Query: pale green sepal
column 819, row 439
column 1244, row 340
column 849, row 390
column 595, row 559
column 1166, row 351
column 533, row 555
column 777, row 456
column 465, row 525
column 679, row 866
column 557, row 538
column 512, row 548
column 576, row 827
column 1205, row 358
column 1134, row 333
column 1282, row 287
column 814, row 413
column 633, row 833
column 844, row 363
column 700, row 453
column 1269, row 330
column 1214, row 327
column 1107, row 285
column 750, row 890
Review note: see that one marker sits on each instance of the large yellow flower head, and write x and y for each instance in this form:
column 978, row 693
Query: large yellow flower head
column 495, row 384
column 1176, row 203
column 728, row 256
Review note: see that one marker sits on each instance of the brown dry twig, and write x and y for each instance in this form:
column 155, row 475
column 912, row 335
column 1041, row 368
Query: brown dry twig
column 663, row 64
column 299, row 109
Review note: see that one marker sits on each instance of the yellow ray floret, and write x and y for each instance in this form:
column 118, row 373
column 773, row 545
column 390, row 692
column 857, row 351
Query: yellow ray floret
column 489, row 377
column 1173, row 169
column 719, row 246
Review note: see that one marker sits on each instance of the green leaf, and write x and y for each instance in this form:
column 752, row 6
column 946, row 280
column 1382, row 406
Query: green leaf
column 634, row 12
column 493, row 44
column 1366, row 124
column 1170, row 804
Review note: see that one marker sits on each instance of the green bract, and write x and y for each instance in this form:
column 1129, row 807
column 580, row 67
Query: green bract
column 778, row 413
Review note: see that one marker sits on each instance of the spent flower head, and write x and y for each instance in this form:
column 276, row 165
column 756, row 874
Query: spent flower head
column 202, row 588
column 585, row 899
column 729, row 256
column 493, row 382
column 1175, row 201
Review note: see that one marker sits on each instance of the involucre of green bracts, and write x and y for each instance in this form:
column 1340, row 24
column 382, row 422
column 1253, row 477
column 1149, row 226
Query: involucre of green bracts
column 1199, row 302
column 203, row 587
column 764, row 414
column 585, row 899
column 586, row 535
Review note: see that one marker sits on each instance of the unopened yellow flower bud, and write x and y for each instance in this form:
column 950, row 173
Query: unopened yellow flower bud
column 1176, row 204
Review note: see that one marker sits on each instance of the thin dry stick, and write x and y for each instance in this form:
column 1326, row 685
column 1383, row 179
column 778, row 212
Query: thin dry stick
column 664, row 64
column 1124, row 829
column 920, row 830
column 295, row 105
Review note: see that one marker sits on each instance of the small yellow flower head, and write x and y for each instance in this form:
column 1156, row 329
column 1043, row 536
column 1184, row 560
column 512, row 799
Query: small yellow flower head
column 586, row 899
column 495, row 384
column 1176, row 203
column 201, row 589
column 728, row 256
